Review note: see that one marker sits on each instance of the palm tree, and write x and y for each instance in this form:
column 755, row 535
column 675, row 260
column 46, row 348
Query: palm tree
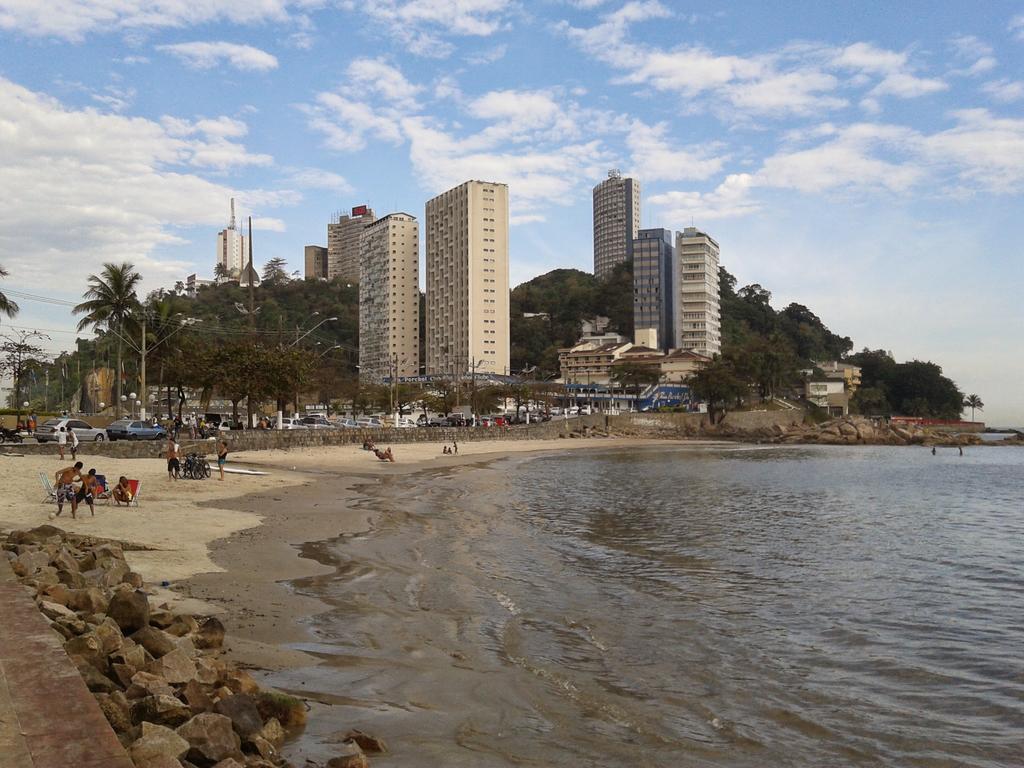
column 972, row 402
column 7, row 306
column 109, row 302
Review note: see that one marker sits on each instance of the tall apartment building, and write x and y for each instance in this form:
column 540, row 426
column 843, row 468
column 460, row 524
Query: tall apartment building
column 316, row 262
column 389, row 298
column 467, row 280
column 616, row 221
column 655, row 266
column 698, row 325
column 232, row 248
column 343, row 243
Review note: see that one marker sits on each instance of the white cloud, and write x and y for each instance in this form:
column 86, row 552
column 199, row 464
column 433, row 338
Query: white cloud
column 729, row 199
column 654, row 159
column 982, row 150
column 377, row 76
column 209, row 54
column 1005, row 90
column 74, row 19
column 1016, row 26
column 906, row 86
column 866, row 57
column 119, row 186
column 423, row 25
column 975, row 54
column 347, row 123
column 488, row 55
column 317, row 178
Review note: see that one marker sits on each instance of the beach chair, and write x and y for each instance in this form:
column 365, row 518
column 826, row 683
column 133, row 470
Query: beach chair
column 105, row 489
column 136, row 488
column 51, row 493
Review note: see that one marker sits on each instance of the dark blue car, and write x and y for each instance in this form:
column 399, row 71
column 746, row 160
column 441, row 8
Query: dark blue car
column 126, row 429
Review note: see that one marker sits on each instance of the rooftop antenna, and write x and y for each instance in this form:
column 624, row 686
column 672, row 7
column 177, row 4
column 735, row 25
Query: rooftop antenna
column 232, row 225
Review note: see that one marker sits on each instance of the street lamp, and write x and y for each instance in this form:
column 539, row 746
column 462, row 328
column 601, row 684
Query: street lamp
column 300, row 338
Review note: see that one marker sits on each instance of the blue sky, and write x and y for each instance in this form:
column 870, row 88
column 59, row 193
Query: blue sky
column 865, row 161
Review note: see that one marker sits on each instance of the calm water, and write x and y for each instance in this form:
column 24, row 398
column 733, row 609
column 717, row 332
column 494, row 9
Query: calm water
column 686, row 607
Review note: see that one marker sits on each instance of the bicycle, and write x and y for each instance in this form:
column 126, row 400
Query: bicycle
column 196, row 467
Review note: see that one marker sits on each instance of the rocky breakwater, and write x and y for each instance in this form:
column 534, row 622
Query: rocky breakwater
column 157, row 675
column 849, row 430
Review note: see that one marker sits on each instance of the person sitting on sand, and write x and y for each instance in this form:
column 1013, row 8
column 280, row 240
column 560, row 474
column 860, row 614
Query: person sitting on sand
column 369, row 446
column 446, row 451
column 122, row 492
column 64, row 490
column 88, row 490
column 386, row 455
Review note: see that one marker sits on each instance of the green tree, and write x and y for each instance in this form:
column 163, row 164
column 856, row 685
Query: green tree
column 973, row 402
column 717, row 385
column 274, row 271
column 7, row 306
column 109, row 303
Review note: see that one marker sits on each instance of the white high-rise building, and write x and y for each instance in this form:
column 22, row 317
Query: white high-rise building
column 389, row 298
column 616, row 221
column 467, row 280
column 232, row 249
column 698, row 315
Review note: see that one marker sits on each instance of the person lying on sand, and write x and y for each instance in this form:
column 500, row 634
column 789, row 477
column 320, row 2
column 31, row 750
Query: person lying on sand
column 64, row 490
column 384, row 455
column 122, row 492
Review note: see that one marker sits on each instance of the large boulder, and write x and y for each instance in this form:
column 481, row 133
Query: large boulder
column 273, row 732
column 351, row 757
column 88, row 647
column 154, row 640
column 164, row 710
column 110, row 636
column 54, row 610
column 366, row 741
column 88, row 600
column 211, row 739
column 156, row 742
column 95, row 680
column 130, row 609
column 147, row 684
column 243, row 713
column 116, row 709
column 210, row 633
column 197, row 697
column 174, row 667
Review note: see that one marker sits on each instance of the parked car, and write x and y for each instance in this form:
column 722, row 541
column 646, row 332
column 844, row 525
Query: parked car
column 456, row 420
column 316, row 422
column 47, row 431
column 127, row 429
column 289, row 423
column 345, row 423
column 405, row 422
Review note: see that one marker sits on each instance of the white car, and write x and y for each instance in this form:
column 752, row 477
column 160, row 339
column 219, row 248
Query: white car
column 289, row 423
column 47, row 431
column 369, row 422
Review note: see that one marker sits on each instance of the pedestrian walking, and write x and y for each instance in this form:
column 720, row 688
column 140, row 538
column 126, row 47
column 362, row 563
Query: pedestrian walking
column 62, row 441
column 74, row 441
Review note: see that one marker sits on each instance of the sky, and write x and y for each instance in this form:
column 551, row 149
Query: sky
column 865, row 159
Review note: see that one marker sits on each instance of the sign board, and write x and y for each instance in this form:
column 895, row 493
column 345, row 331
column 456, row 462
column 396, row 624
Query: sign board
column 359, row 210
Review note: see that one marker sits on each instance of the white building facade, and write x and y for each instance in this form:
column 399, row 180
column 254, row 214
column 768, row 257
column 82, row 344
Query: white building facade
column 389, row 298
column 698, row 314
column 466, row 231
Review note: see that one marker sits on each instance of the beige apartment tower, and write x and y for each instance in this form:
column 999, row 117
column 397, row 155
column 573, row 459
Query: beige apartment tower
column 232, row 250
column 315, row 262
column 389, row 298
column 616, row 222
column 467, row 280
column 698, row 316
column 343, row 252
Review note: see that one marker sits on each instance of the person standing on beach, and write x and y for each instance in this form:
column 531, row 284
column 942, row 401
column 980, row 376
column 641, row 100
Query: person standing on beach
column 62, row 440
column 173, row 464
column 64, row 490
column 222, row 456
column 87, row 491
column 73, row 439
column 455, row 446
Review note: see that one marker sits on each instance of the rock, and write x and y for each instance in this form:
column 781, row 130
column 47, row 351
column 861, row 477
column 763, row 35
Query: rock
column 163, row 761
column 33, row 561
column 88, row 600
column 38, row 535
column 207, row 670
column 352, row 757
column 44, row 577
column 847, row 430
column 53, row 611
column 130, row 610
column 116, row 709
column 147, row 684
column 174, row 667
column 229, row 763
column 133, row 579
column 241, row 710
column 366, row 742
column 89, row 648
column 240, row 681
column 197, row 698
column 162, row 618
column 273, row 732
column 63, row 561
column 57, row 593
column 95, row 680
column 164, row 710
column 263, row 747
column 156, row 742
column 132, row 655
column 183, row 625
column 73, row 625
column 210, row 633
column 156, row 641
column 288, row 710
column 110, row 637
column 211, row 738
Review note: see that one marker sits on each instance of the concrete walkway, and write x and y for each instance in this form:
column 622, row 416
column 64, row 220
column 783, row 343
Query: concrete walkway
column 48, row 718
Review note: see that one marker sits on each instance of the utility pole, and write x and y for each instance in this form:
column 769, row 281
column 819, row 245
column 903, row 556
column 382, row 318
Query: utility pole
column 394, row 387
column 252, row 290
column 142, row 369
